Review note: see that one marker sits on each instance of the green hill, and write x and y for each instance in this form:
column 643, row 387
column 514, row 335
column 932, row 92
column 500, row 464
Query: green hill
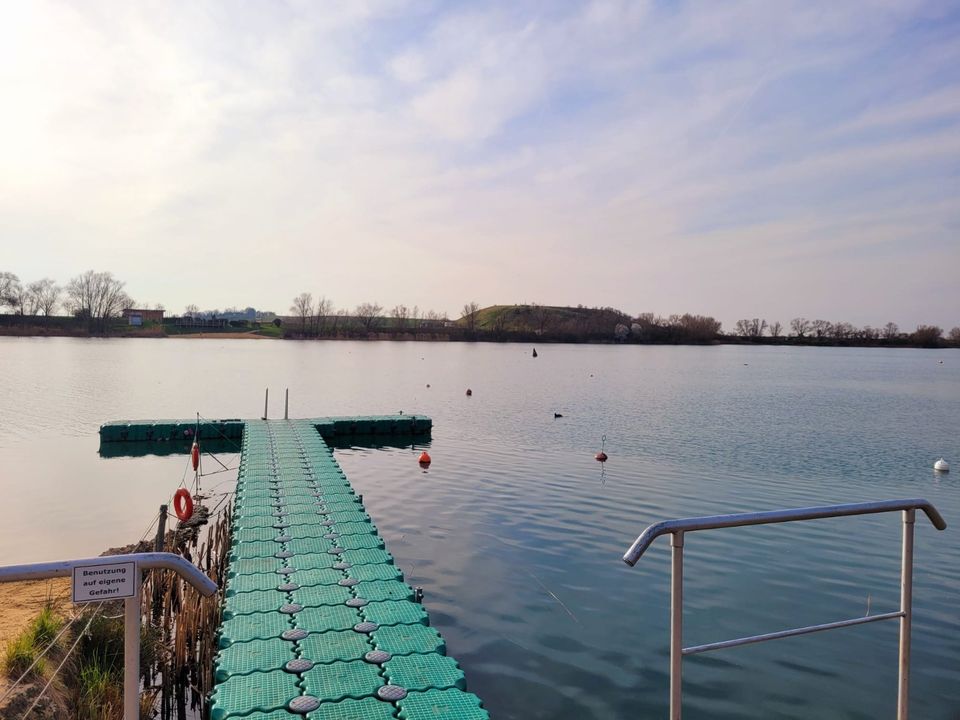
column 546, row 320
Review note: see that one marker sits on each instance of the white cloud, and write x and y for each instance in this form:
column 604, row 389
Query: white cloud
column 608, row 153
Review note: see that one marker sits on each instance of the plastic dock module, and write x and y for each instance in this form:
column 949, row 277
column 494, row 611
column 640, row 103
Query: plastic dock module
column 318, row 622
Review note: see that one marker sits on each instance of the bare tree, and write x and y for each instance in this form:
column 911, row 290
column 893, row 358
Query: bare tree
column 42, row 296
column 302, row 308
column 821, row 328
column 954, row 336
column 20, row 296
column 469, row 315
column 97, row 297
column 400, row 313
column 800, row 326
column 842, row 330
column 368, row 314
column 890, row 331
column 191, row 311
column 322, row 311
column 541, row 317
column 751, row 328
column 775, row 328
column 9, row 289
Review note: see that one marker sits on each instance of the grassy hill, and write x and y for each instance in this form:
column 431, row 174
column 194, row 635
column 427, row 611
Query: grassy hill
column 546, row 320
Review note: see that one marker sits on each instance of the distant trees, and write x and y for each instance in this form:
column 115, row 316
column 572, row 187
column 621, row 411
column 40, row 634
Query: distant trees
column 400, row 313
column 954, row 336
column 890, row 331
column 540, row 314
column 469, row 315
column 96, row 297
column 927, row 335
column 820, row 328
column 44, row 296
column 9, row 289
column 322, row 311
column 303, row 308
column 775, row 328
column 751, row 328
column 368, row 314
column 800, row 326
column 191, row 311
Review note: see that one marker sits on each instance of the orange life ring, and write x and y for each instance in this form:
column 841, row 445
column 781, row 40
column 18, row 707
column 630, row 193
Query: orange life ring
column 195, row 455
column 183, row 504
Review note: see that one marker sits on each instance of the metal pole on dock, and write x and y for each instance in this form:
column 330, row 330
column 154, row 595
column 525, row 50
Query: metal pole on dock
column 131, row 652
column 286, row 405
column 266, row 399
column 676, row 626
column 906, row 608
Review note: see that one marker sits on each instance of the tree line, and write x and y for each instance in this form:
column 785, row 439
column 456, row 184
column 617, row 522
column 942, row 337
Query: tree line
column 93, row 297
column 320, row 318
column 803, row 329
column 97, row 298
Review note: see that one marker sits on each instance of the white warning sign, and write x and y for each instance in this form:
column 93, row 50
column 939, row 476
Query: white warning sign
column 104, row 582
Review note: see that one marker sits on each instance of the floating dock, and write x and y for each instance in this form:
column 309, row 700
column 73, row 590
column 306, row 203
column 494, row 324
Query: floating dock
column 317, row 620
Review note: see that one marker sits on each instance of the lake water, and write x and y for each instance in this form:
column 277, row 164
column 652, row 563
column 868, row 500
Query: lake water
column 516, row 532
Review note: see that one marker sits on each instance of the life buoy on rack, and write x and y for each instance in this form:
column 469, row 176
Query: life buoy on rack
column 183, row 504
column 195, row 455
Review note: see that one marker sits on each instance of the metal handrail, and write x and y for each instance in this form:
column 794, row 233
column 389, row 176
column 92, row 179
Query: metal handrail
column 146, row 561
column 677, row 528
column 712, row 522
column 131, row 605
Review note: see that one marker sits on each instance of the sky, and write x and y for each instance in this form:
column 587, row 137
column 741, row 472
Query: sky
column 743, row 158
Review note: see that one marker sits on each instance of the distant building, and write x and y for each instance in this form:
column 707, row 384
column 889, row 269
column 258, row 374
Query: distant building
column 137, row 317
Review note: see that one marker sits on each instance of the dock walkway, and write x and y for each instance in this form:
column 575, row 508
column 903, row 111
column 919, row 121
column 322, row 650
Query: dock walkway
column 317, row 620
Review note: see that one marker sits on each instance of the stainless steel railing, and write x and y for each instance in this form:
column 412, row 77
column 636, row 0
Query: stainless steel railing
column 678, row 528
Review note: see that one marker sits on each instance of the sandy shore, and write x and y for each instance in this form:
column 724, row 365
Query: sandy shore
column 221, row 335
column 20, row 602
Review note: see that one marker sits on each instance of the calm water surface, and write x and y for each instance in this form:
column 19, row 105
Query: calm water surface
column 515, row 532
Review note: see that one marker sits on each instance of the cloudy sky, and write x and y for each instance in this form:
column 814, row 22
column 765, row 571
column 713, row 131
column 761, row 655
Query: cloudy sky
column 739, row 158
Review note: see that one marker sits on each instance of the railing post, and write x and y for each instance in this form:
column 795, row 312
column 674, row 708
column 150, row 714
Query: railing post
column 906, row 607
column 131, row 650
column 676, row 626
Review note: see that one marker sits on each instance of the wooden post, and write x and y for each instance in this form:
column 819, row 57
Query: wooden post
column 161, row 529
column 156, row 605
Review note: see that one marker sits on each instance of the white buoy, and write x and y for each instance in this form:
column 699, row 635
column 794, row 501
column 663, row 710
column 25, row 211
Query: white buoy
column 941, row 465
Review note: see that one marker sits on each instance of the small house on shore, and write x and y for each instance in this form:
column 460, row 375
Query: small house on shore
column 137, row 317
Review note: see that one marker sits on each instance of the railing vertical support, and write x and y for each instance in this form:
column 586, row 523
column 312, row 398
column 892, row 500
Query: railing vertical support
column 131, row 651
column 676, row 626
column 906, row 607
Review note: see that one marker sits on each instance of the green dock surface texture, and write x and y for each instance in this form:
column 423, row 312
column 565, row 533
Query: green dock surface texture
column 317, row 620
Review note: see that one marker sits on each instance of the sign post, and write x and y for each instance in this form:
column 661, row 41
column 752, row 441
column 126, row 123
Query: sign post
column 116, row 578
column 94, row 583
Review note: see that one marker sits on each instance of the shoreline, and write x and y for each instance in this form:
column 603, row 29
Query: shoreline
column 436, row 337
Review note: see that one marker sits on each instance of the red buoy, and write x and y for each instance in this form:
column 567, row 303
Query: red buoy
column 195, row 455
column 183, row 504
column 424, row 458
column 601, row 456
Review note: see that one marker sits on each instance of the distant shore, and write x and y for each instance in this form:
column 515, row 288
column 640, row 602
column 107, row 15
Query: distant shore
column 157, row 332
